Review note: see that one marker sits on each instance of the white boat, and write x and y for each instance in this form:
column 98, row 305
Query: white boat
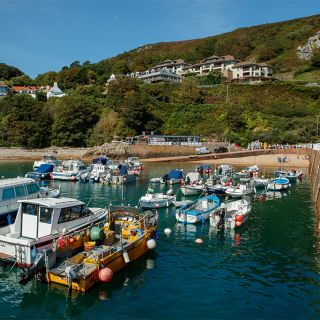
column 157, row 200
column 278, row 184
column 251, row 171
column 98, row 171
column 198, row 211
column 240, row 191
column 193, row 184
column 47, row 159
column 135, row 163
column 12, row 190
column 231, row 214
column 260, row 182
column 291, row 175
column 224, row 170
column 39, row 223
column 69, row 170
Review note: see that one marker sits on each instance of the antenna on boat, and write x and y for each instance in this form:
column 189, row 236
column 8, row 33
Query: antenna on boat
column 88, row 203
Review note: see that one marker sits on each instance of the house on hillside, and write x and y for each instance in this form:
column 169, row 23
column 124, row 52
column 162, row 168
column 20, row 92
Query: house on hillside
column 114, row 77
column 174, row 140
column 173, row 66
column 162, row 75
column 55, row 91
column 4, row 89
column 222, row 64
column 252, row 72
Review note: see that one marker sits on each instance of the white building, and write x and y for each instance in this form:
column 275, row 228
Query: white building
column 223, row 64
column 55, row 91
column 252, row 72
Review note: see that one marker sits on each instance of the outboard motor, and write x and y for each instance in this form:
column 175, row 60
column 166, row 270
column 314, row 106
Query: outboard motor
column 38, row 266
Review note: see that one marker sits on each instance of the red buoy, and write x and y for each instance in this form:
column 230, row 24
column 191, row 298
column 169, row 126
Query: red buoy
column 105, row 274
column 239, row 218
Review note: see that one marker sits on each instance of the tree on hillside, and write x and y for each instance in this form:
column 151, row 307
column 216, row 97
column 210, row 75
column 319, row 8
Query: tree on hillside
column 187, row 93
column 74, row 116
column 23, row 80
column 315, row 59
column 7, row 72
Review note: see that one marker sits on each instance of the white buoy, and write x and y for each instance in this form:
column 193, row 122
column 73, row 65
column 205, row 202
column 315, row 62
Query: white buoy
column 150, row 264
column 199, row 241
column 167, row 231
column 151, row 244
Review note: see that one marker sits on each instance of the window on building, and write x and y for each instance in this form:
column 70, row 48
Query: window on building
column 7, row 194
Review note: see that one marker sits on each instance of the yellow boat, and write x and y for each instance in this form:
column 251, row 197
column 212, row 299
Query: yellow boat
column 128, row 235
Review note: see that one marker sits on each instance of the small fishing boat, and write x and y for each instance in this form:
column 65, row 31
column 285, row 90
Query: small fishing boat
column 278, row 184
column 122, row 176
column 231, row 214
column 173, row 177
column 199, row 210
column 219, row 189
column 50, row 192
column 47, row 159
column 69, row 170
column 251, row 171
column 204, row 169
column 240, row 190
column 128, row 235
column 157, row 200
column 39, row 223
column 260, row 182
column 43, row 172
column 193, row 184
column 134, row 163
column 291, row 175
column 224, row 170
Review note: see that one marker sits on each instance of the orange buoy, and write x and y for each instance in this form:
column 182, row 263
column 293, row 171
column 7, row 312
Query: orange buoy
column 105, row 274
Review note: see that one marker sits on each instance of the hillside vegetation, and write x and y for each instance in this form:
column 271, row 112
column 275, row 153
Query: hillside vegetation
column 277, row 112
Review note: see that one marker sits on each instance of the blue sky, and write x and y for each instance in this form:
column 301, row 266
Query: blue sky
column 42, row 35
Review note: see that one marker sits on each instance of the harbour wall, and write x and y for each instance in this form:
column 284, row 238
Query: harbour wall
column 314, row 173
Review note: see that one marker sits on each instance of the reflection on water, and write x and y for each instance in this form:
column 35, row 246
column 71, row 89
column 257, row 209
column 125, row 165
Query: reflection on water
column 268, row 268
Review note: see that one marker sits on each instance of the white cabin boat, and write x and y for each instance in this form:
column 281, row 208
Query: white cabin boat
column 12, row 190
column 41, row 221
column 193, row 184
column 241, row 190
column 69, row 170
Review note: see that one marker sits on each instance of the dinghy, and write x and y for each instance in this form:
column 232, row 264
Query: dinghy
column 157, row 200
column 278, row 184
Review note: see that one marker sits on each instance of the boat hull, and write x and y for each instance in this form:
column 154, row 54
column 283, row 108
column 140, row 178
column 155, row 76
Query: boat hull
column 191, row 191
column 156, row 203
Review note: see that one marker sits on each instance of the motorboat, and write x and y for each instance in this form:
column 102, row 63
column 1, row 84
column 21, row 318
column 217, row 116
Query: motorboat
column 134, row 163
column 181, row 203
column 219, row 189
column 204, row 169
column 43, row 172
column 241, row 190
column 278, row 184
column 231, row 214
column 69, row 170
column 157, row 200
column 47, row 159
column 40, row 222
column 224, row 170
column 12, row 190
column 127, row 236
column 173, row 177
column 260, row 182
column 251, row 171
column 122, row 176
column 193, row 184
column 291, row 175
column 199, row 210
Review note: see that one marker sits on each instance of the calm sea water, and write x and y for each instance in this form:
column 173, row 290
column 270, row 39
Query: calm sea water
column 270, row 268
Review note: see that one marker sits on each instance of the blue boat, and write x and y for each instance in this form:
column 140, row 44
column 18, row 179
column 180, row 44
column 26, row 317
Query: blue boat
column 174, row 176
column 41, row 173
column 278, row 184
column 199, row 210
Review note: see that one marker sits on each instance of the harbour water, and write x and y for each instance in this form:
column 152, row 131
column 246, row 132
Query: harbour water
column 269, row 268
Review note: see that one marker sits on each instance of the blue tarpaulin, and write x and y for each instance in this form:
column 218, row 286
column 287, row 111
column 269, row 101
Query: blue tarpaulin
column 123, row 170
column 45, row 168
column 175, row 174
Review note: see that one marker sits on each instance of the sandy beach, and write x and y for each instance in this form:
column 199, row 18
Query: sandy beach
column 271, row 160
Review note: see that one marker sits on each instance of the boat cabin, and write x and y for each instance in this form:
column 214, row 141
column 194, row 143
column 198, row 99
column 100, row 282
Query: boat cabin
column 42, row 217
column 12, row 190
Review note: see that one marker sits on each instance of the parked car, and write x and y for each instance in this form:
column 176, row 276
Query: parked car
column 202, row 150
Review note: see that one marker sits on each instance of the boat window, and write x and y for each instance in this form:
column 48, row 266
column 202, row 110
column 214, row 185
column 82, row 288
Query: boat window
column 72, row 213
column 29, row 208
column 20, row 191
column 7, row 194
column 46, row 214
column 32, row 188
